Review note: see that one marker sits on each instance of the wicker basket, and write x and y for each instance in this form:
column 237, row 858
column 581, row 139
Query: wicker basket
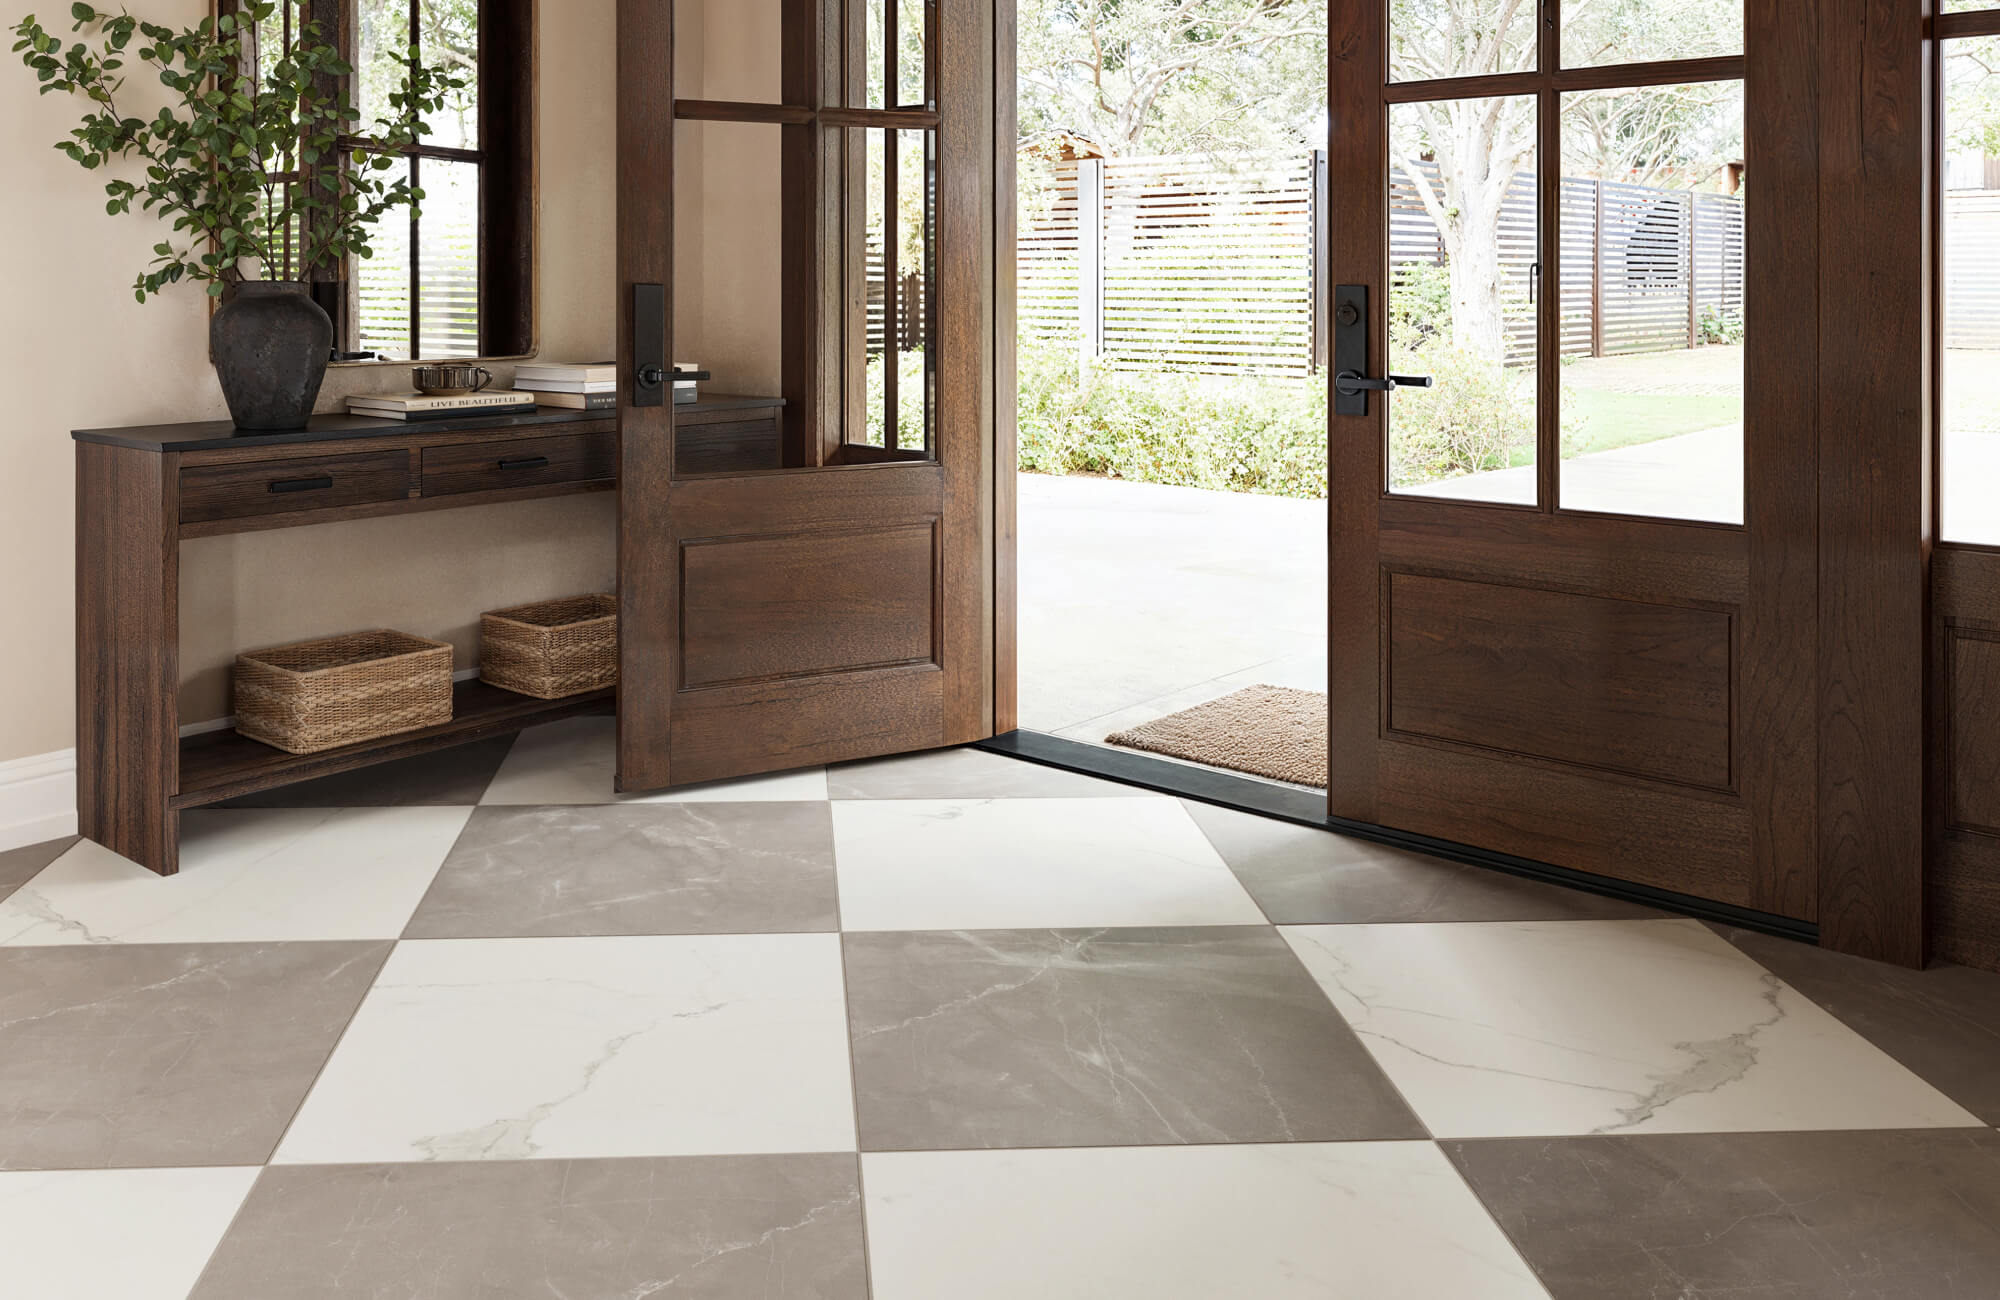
column 551, row 648
column 342, row 690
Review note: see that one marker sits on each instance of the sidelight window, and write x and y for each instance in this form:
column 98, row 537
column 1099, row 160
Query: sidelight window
column 1968, row 351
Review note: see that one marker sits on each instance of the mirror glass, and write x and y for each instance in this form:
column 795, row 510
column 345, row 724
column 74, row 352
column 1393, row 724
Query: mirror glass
column 454, row 278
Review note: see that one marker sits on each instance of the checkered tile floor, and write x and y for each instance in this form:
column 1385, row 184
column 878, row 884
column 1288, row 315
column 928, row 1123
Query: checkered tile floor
column 943, row 1026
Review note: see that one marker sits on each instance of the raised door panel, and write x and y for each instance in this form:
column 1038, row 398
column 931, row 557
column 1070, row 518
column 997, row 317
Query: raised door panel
column 1973, row 696
column 807, row 604
column 1659, row 836
column 1962, row 893
column 1623, row 686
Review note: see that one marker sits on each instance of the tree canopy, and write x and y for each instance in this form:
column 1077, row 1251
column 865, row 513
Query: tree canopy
column 1143, row 77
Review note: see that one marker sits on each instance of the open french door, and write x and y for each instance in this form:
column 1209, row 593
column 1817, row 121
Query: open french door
column 828, row 596
column 1542, row 644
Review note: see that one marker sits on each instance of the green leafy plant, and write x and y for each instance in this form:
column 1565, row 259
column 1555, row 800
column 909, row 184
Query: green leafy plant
column 1718, row 326
column 255, row 158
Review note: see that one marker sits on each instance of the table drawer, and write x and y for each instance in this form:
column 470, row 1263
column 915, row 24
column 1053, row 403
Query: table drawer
column 519, row 462
column 274, row 487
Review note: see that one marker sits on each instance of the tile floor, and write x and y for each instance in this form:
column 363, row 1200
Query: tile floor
column 946, row 1026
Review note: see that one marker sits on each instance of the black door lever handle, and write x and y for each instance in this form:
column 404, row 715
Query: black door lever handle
column 1348, row 383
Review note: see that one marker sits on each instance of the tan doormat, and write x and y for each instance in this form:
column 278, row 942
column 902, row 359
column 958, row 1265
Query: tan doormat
column 1271, row 731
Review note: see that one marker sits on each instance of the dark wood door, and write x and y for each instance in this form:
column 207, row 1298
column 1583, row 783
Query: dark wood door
column 837, row 604
column 1553, row 634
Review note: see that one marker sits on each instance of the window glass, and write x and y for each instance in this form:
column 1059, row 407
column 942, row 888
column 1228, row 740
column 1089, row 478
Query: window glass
column 1464, row 221
column 890, row 364
column 448, row 261
column 1653, row 301
column 1598, row 32
column 730, row 50
column 898, row 80
column 448, row 36
column 1969, row 458
column 379, row 288
column 1460, row 38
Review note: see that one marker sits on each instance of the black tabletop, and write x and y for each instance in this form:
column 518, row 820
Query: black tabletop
column 212, row 435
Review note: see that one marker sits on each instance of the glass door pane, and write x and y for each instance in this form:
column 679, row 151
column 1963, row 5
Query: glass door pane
column 1652, row 301
column 1464, row 222
column 1460, row 38
column 1969, row 459
column 729, row 50
column 1603, row 33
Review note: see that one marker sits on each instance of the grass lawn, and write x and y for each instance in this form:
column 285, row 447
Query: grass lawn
column 1611, row 419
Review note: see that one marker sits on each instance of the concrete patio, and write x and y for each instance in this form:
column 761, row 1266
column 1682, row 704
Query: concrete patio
column 1139, row 600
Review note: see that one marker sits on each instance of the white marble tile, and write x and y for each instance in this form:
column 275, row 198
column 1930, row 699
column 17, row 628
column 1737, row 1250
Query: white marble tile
column 1306, row 1221
column 497, row 1049
column 1517, row 1029
column 575, row 761
column 133, row 1234
column 997, row 864
column 247, row 876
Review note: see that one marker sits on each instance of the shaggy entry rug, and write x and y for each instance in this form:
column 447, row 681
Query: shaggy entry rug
column 1271, row 731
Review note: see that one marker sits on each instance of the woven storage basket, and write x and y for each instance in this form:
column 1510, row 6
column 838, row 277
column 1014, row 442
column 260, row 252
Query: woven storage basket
column 551, row 648
column 342, row 690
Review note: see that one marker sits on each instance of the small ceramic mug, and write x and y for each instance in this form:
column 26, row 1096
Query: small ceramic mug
column 451, row 379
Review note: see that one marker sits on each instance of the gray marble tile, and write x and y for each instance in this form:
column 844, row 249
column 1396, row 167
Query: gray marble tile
column 166, row 1055
column 1303, row 876
column 1942, row 1023
column 720, row 868
column 1102, row 1038
column 454, row 777
column 691, row 1228
column 19, row 866
column 965, row 774
column 1749, row 1216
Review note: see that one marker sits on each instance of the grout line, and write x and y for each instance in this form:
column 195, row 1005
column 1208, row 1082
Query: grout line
column 305, row 1098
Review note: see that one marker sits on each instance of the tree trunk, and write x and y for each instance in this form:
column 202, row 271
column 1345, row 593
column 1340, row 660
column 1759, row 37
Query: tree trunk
column 1476, row 323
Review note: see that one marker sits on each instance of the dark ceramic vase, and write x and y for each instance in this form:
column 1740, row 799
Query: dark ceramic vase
column 271, row 343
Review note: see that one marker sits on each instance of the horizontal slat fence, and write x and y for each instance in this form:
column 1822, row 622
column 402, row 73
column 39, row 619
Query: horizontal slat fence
column 1972, row 269
column 1208, row 270
column 1184, row 264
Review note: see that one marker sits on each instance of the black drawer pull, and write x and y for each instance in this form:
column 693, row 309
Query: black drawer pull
column 318, row 484
column 524, row 462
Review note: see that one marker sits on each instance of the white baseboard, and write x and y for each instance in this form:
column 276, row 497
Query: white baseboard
column 38, row 793
column 37, row 799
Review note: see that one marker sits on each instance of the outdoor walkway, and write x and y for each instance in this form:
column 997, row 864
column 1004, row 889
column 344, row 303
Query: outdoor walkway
column 1138, row 600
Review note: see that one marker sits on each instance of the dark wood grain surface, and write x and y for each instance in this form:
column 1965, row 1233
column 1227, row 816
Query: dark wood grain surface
column 127, row 653
column 521, row 462
column 222, row 765
column 1625, row 686
column 287, row 484
column 1873, row 395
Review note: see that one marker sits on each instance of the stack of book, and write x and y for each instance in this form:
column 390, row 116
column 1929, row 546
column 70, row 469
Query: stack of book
column 423, row 406
column 577, row 386
column 592, row 385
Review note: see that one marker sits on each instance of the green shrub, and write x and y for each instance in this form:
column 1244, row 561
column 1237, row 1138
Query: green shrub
column 1232, row 434
column 1718, row 326
column 1264, row 435
column 1478, row 416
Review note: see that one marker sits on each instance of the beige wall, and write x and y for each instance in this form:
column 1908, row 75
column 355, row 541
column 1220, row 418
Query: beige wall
column 76, row 351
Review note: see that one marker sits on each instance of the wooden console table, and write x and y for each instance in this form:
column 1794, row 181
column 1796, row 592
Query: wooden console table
column 140, row 491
